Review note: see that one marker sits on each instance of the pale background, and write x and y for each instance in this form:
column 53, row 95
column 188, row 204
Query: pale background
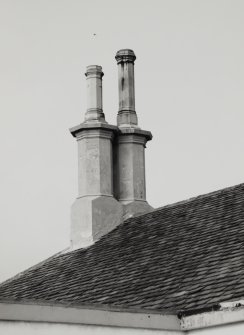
column 189, row 93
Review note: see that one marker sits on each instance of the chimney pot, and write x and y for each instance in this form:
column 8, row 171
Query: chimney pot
column 127, row 115
column 125, row 55
column 94, row 111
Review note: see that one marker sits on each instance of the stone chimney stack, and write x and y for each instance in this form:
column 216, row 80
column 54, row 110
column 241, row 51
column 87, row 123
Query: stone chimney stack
column 95, row 211
column 111, row 159
column 129, row 178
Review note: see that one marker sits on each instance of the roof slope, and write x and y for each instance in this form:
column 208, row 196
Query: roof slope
column 181, row 257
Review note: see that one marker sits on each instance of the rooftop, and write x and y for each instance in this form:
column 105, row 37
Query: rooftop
column 182, row 257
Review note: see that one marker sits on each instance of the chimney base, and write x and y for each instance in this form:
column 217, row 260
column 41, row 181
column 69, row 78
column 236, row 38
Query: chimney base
column 135, row 208
column 92, row 217
column 95, row 212
column 129, row 177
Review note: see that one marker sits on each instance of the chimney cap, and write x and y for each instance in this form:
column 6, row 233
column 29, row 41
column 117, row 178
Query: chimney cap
column 94, row 69
column 125, row 56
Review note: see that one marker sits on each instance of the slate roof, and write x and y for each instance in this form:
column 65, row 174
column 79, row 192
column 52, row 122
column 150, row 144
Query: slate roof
column 181, row 257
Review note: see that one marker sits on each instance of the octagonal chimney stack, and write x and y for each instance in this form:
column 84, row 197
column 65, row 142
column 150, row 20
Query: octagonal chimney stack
column 95, row 211
column 129, row 176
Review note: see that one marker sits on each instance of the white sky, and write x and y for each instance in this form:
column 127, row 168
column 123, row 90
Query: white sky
column 189, row 94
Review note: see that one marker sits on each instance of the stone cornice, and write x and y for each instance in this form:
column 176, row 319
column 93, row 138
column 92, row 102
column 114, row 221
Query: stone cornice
column 125, row 56
column 125, row 131
column 118, row 131
column 96, row 126
column 94, row 71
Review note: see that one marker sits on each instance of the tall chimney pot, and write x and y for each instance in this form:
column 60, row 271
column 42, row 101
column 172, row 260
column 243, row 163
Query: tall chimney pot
column 127, row 113
column 94, row 111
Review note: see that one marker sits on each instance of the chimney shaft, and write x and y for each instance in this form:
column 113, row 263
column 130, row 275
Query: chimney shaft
column 127, row 113
column 94, row 111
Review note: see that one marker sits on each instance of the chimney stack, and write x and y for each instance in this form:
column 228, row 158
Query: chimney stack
column 95, row 211
column 130, row 184
column 111, row 159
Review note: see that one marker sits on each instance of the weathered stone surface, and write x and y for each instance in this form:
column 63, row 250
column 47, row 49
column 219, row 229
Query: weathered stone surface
column 93, row 217
column 95, row 162
column 129, row 178
column 136, row 207
column 95, row 212
column 130, row 169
